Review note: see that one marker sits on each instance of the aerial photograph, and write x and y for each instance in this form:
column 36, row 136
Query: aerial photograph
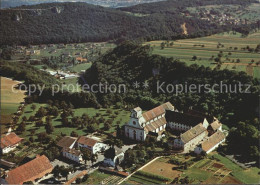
column 130, row 92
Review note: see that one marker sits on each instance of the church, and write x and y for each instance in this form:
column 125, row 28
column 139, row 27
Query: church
column 153, row 121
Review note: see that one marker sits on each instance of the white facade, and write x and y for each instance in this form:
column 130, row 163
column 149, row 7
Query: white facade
column 199, row 149
column 134, row 129
column 98, row 147
column 9, row 148
column 178, row 143
column 73, row 157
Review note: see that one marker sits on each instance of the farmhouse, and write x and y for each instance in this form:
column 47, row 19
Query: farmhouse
column 10, row 142
column 211, row 143
column 191, row 137
column 67, row 142
column 31, row 171
column 183, row 122
column 91, row 144
column 141, row 124
column 72, row 154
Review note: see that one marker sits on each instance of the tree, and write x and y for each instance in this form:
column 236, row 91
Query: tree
column 78, row 180
column 93, row 158
column 42, row 137
column 74, row 134
column 162, row 45
column 33, row 107
column 64, row 172
column 56, row 172
column 21, row 127
column 49, row 128
column 86, row 155
column 107, row 126
column 194, row 57
column 41, row 112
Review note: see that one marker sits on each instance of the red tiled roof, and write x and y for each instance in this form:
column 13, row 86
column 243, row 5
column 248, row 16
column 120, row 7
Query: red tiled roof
column 215, row 125
column 72, row 151
column 66, row 141
column 212, row 141
column 151, row 114
column 10, row 139
column 30, row 171
column 86, row 141
column 155, row 124
column 192, row 133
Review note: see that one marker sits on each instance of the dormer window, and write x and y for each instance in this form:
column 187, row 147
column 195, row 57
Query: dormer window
column 134, row 122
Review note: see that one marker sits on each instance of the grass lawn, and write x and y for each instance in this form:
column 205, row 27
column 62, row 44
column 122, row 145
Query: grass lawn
column 96, row 177
column 79, row 67
column 197, row 174
column 248, row 176
column 122, row 117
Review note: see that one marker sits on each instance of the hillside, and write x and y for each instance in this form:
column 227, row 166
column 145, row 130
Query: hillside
column 106, row 3
column 81, row 22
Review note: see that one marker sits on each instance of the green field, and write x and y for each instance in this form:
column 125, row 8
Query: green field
column 206, row 47
column 78, row 68
column 96, row 177
column 248, row 176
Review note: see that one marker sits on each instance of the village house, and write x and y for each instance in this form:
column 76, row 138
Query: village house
column 113, row 156
column 191, row 138
column 141, row 124
column 91, row 144
column 211, row 143
column 67, row 142
column 9, row 142
column 72, row 154
column 31, row 171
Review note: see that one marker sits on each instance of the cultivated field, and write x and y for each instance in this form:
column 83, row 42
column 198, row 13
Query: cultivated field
column 162, row 169
column 10, row 101
column 214, row 169
column 206, row 49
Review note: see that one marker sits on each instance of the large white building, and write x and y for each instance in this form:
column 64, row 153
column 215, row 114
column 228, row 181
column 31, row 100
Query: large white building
column 183, row 122
column 191, row 138
column 141, row 124
column 211, row 143
column 91, row 144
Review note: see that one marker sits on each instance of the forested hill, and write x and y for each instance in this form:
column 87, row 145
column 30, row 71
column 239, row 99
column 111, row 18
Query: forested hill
column 179, row 5
column 81, row 22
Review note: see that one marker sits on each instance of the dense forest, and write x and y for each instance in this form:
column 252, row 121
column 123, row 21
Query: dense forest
column 129, row 63
column 81, row 22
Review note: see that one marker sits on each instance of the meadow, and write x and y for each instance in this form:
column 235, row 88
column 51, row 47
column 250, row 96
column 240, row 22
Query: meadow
column 10, row 101
column 206, row 48
column 121, row 118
